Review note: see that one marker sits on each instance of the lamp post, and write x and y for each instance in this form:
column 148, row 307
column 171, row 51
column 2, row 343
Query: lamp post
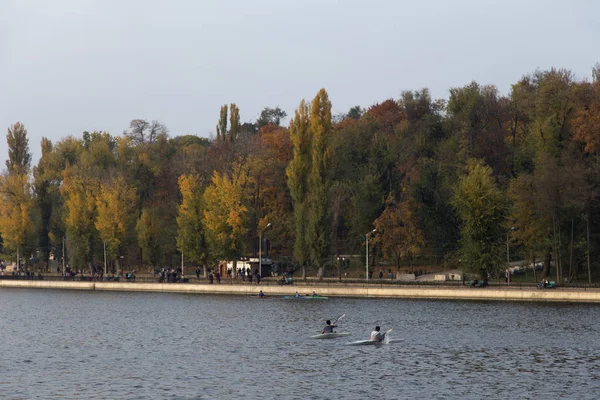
column 105, row 258
column 512, row 228
column 63, row 256
column 507, row 247
column 367, row 248
column 260, row 249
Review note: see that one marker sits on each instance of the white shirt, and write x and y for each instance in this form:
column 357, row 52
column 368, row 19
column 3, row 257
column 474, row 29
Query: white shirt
column 376, row 336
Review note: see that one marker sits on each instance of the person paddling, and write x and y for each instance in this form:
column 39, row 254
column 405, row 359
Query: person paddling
column 261, row 294
column 377, row 336
column 329, row 327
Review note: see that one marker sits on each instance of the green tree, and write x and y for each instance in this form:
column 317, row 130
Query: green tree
column 150, row 237
column 481, row 207
column 270, row 116
column 46, row 188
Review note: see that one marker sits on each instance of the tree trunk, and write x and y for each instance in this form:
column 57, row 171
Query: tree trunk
column 587, row 222
column 571, row 252
column 547, row 262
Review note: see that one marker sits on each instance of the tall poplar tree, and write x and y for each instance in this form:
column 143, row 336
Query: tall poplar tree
column 319, row 213
column 297, row 172
column 15, row 191
column 234, row 123
column 19, row 157
column 222, row 124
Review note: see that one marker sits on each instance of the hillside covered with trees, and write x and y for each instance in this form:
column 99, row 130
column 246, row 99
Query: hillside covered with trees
column 450, row 182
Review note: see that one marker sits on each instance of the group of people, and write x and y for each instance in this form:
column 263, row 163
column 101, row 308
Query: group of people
column 314, row 294
column 169, row 275
column 376, row 335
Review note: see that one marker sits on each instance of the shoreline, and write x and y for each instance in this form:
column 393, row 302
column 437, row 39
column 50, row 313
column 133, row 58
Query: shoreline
column 504, row 293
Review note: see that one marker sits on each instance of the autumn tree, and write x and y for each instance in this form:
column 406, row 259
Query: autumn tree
column 222, row 124
column 298, row 171
column 234, row 123
column 115, row 219
column 15, row 191
column 225, row 213
column 79, row 191
column 15, row 211
column 481, row 207
column 586, row 121
column 191, row 236
column 19, row 157
column 398, row 234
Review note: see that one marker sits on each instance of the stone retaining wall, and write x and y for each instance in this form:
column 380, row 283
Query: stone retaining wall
column 366, row 291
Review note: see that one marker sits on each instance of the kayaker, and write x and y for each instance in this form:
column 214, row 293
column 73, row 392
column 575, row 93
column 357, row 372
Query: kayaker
column 314, row 294
column 376, row 335
column 261, row 294
column 296, row 295
column 329, row 327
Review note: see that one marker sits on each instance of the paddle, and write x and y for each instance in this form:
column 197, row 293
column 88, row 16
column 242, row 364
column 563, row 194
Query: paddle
column 386, row 332
column 335, row 322
column 339, row 318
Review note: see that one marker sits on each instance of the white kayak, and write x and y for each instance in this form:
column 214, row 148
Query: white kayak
column 369, row 342
column 330, row 335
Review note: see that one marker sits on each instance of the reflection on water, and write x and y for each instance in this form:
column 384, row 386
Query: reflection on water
column 73, row 345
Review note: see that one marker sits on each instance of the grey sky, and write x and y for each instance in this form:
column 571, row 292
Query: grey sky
column 74, row 65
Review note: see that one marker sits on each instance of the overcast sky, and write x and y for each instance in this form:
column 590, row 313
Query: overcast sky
column 67, row 66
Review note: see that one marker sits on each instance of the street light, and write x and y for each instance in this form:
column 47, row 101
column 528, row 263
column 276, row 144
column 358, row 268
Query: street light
column 63, row 272
column 367, row 247
column 105, row 258
column 260, row 249
column 512, row 228
column 507, row 248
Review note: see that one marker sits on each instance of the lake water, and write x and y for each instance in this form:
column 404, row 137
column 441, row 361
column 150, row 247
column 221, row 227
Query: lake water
column 99, row 345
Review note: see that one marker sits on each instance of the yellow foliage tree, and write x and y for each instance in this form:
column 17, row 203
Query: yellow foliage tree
column 15, row 209
column 225, row 212
column 79, row 192
column 116, row 214
column 191, row 239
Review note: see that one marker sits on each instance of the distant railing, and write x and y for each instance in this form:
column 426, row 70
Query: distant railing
column 296, row 281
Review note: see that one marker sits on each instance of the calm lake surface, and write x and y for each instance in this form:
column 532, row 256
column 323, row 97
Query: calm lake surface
column 98, row 345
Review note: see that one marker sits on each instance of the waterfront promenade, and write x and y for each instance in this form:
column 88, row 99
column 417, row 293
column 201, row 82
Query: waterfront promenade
column 329, row 288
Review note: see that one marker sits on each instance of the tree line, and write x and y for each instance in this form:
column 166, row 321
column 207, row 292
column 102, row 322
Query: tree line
column 456, row 181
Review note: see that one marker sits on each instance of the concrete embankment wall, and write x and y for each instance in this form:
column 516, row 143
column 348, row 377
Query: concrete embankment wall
column 365, row 291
